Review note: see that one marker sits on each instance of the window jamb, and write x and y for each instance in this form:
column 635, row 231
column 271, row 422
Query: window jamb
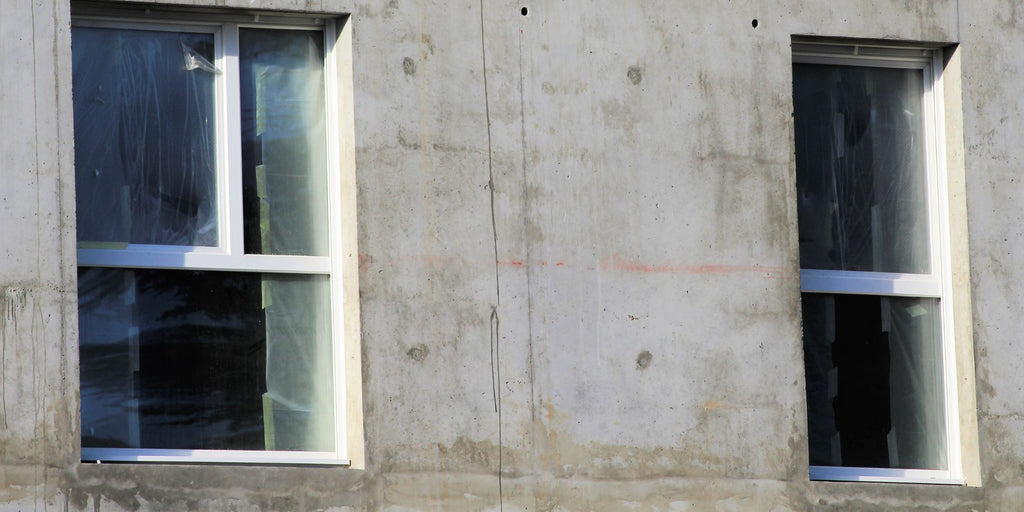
column 936, row 136
column 336, row 226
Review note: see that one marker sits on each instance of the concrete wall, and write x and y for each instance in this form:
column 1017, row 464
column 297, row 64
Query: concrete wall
column 583, row 217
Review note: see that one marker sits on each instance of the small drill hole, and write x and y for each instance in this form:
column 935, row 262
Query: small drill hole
column 524, row 11
column 754, row 23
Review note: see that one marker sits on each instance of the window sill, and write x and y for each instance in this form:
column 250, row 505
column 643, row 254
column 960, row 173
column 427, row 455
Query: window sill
column 883, row 475
column 102, row 455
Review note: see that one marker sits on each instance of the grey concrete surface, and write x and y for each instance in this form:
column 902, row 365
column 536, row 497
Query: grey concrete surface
column 601, row 220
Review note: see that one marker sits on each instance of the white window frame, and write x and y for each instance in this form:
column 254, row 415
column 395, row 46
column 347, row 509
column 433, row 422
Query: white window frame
column 937, row 283
column 229, row 254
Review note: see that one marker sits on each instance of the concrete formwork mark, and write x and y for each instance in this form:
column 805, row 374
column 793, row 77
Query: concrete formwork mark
column 527, row 200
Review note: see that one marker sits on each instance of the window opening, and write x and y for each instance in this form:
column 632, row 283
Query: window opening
column 876, row 322
column 206, row 281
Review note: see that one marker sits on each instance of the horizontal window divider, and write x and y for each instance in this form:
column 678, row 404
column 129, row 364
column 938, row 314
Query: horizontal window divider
column 103, row 10
column 870, row 283
column 903, row 476
column 101, row 455
column 203, row 260
column 856, row 60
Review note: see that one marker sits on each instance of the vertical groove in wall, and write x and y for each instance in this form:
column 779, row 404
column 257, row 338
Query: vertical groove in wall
column 37, row 391
column 526, row 232
column 495, row 320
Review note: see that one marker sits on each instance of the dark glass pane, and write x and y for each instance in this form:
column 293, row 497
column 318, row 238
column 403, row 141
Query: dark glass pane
column 284, row 152
column 205, row 360
column 861, row 185
column 874, row 381
column 144, row 136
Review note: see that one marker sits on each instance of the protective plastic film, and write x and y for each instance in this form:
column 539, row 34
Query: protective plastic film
column 874, row 381
column 205, row 360
column 284, row 157
column 145, row 136
column 861, row 184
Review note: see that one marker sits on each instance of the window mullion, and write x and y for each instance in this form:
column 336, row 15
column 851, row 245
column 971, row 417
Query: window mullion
column 230, row 175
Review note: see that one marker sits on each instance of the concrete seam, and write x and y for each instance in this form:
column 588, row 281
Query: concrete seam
column 531, row 371
column 35, row 364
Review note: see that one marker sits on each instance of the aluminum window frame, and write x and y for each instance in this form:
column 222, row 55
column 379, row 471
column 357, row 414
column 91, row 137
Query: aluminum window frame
column 229, row 253
column 937, row 283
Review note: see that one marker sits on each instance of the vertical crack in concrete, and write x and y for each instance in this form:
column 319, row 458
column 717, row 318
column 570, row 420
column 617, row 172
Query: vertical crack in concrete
column 35, row 126
column 495, row 320
column 496, row 358
column 527, row 211
column 38, row 332
column 4, row 307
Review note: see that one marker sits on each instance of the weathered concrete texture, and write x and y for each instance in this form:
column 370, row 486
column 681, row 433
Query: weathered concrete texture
column 994, row 187
column 910, row 498
column 34, row 408
column 152, row 487
column 451, row 492
column 578, row 267
column 38, row 357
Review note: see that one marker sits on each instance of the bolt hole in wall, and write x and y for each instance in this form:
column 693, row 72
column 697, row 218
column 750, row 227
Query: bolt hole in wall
column 753, row 23
column 524, row 11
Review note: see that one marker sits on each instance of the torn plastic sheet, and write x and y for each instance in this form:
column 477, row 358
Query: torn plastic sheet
column 145, row 137
column 193, row 60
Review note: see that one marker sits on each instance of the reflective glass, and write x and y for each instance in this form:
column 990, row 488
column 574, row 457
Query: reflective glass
column 180, row 359
column 860, row 163
column 874, row 381
column 284, row 138
column 145, row 154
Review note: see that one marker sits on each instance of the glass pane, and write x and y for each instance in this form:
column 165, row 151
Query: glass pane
column 874, row 381
column 860, row 169
column 284, row 153
column 144, row 136
column 205, row 360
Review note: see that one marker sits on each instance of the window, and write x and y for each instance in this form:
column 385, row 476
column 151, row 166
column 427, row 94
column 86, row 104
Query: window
column 208, row 239
column 875, row 280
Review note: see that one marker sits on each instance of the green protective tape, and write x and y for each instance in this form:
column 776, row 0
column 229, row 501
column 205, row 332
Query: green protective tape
column 267, row 300
column 261, row 181
column 269, row 437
